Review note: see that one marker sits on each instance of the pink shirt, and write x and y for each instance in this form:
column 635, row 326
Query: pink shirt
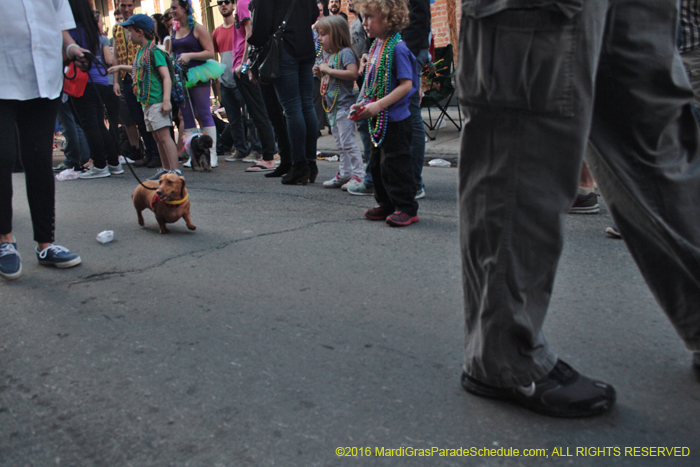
column 243, row 15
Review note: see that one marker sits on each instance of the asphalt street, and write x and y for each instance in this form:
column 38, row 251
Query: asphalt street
column 287, row 326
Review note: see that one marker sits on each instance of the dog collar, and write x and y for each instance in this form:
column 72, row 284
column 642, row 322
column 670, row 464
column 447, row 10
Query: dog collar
column 179, row 201
column 158, row 199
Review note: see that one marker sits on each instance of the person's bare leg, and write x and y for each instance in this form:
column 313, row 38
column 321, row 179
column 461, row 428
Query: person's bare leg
column 586, row 181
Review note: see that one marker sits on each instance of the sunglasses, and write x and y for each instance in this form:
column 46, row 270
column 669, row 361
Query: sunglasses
column 223, row 2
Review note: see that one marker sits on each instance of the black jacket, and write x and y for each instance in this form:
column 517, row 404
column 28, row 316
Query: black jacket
column 267, row 15
column 417, row 32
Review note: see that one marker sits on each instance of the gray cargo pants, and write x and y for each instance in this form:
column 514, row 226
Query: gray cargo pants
column 538, row 85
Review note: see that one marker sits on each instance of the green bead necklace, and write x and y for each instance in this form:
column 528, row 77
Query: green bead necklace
column 334, row 94
column 143, row 75
column 378, row 84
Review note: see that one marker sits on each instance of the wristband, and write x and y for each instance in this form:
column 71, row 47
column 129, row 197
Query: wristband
column 69, row 46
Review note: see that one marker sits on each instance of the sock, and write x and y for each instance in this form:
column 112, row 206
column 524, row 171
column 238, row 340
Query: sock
column 211, row 131
column 584, row 191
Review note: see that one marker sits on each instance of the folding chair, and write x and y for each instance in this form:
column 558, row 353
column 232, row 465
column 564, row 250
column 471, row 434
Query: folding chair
column 441, row 90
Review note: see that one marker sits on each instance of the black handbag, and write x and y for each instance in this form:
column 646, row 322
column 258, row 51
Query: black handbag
column 266, row 61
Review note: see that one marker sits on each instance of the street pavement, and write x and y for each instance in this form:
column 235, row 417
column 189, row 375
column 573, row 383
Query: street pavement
column 288, row 326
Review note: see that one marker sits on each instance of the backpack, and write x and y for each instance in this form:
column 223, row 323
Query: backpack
column 177, row 91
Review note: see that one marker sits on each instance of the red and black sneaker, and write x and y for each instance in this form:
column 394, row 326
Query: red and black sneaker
column 377, row 213
column 401, row 219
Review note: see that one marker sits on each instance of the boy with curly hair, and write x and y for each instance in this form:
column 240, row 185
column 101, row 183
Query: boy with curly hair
column 390, row 79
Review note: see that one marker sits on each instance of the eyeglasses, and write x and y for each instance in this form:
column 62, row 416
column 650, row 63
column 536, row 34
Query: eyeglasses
column 223, row 2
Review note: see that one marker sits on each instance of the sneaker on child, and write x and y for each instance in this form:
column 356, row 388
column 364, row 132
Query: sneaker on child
column 377, row 213
column 361, row 190
column 336, row 182
column 354, row 181
column 401, row 219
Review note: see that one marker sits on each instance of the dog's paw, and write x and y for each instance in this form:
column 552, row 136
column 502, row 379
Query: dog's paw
column 192, row 227
column 163, row 231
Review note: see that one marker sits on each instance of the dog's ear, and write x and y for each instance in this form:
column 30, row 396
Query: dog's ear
column 182, row 187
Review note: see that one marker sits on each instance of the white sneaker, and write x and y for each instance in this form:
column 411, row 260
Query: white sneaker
column 188, row 163
column 336, row 182
column 354, row 181
column 420, row 194
column 94, row 172
column 115, row 169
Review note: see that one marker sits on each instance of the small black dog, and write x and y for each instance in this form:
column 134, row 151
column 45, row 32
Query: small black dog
column 200, row 152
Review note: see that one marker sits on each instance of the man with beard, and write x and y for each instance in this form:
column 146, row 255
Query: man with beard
column 334, row 8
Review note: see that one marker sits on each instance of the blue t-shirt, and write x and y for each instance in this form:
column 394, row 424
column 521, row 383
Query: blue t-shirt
column 97, row 73
column 346, row 96
column 404, row 67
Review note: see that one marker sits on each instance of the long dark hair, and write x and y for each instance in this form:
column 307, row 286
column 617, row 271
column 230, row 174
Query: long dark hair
column 161, row 29
column 325, row 7
column 85, row 19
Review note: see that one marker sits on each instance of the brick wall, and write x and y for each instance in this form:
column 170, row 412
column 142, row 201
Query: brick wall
column 440, row 13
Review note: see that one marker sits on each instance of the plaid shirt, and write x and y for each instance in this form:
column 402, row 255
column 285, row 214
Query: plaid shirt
column 126, row 57
column 690, row 25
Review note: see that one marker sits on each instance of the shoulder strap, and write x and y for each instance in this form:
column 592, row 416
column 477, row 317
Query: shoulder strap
column 289, row 13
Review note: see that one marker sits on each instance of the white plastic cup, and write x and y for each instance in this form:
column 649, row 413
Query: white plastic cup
column 105, row 236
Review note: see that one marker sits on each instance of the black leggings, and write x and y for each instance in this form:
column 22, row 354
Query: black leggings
column 35, row 119
column 90, row 109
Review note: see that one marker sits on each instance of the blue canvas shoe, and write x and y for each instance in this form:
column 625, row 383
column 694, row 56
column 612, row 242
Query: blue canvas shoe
column 10, row 262
column 56, row 255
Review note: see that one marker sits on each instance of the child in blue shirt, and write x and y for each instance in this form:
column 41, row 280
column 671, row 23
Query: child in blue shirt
column 390, row 79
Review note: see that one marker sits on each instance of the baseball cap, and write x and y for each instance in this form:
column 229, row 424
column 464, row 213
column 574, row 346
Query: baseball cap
column 143, row 22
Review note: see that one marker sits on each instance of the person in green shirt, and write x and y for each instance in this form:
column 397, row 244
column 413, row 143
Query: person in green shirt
column 152, row 86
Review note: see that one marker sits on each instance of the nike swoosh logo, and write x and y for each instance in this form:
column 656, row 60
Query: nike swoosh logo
column 528, row 391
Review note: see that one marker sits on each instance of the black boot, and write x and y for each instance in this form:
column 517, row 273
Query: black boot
column 279, row 171
column 313, row 170
column 298, row 175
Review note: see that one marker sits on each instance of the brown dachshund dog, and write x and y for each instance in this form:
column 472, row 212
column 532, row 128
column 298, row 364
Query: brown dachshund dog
column 169, row 202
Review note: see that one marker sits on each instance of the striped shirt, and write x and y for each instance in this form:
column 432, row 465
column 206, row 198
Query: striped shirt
column 690, row 25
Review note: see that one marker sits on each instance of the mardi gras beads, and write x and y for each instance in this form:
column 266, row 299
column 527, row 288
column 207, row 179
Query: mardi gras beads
column 334, row 94
column 142, row 75
column 379, row 84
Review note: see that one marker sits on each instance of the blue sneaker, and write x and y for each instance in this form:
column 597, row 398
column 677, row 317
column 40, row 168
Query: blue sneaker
column 10, row 262
column 56, row 255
